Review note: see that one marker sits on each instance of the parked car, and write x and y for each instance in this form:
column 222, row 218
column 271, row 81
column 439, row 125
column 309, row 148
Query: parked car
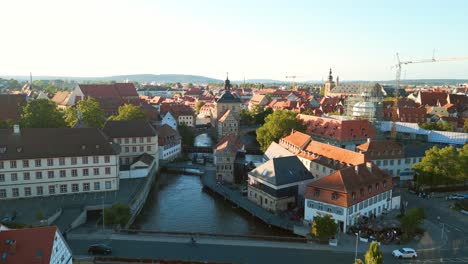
column 100, row 249
column 9, row 218
column 405, row 253
column 458, row 196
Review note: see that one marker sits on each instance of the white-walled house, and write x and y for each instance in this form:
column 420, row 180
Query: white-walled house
column 50, row 161
column 34, row 245
column 348, row 194
column 169, row 120
column 170, row 143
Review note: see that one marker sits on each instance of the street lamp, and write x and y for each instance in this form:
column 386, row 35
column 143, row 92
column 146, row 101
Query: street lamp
column 357, row 242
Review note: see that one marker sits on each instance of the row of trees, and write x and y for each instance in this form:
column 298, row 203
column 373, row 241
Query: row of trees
column 44, row 113
column 442, row 166
column 439, row 126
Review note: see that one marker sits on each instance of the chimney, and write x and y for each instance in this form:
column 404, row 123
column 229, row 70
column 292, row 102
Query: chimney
column 16, row 129
column 368, row 140
column 369, row 166
column 356, row 169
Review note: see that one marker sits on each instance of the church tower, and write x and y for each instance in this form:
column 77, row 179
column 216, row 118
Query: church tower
column 329, row 84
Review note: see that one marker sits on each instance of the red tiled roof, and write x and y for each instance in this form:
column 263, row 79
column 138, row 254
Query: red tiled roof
column 346, row 181
column 176, row 109
column 381, row 149
column 335, row 153
column 10, row 105
column 230, row 142
column 433, row 98
column 340, row 130
column 225, row 115
column 29, row 242
column 167, row 135
column 298, row 139
column 111, row 96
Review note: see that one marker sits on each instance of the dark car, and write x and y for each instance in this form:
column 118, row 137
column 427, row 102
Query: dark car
column 100, row 249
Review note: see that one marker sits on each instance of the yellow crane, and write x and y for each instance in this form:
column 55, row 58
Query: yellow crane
column 293, row 77
column 397, row 83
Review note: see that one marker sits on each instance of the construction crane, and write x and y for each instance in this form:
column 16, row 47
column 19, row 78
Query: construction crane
column 293, row 77
column 397, row 83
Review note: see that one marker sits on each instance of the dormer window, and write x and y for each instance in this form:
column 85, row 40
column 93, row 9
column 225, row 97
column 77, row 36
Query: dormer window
column 377, row 187
column 361, row 192
column 334, row 196
column 317, row 193
column 369, row 189
column 385, row 184
column 2, row 149
column 353, row 196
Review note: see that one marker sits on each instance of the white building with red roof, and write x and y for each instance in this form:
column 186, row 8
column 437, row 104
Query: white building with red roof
column 349, row 193
column 34, row 245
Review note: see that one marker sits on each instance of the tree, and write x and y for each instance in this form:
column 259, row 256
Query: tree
column 118, row 214
column 324, row 227
column 198, row 106
column 42, row 113
column 373, row 254
column 187, row 134
column 6, row 123
column 91, row 113
column 277, row 125
column 410, row 222
column 129, row 112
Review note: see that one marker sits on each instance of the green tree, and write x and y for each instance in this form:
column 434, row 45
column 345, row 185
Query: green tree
column 324, row 227
column 118, row 214
column 277, row 125
column 439, row 166
column 6, row 123
column 187, row 134
column 42, row 113
column 246, row 117
column 198, row 106
column 91, row 113
column 373, row 254
column 465, row 126
column 410, row 223
column 129, row 112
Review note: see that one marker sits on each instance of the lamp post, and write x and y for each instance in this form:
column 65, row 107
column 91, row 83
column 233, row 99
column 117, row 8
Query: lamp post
column 357, row 242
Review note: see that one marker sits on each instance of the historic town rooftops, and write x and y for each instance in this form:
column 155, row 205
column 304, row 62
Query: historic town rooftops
column 145, row 158
column 257, row 98
column 276, row 151
column 358, row 181
column 281, row 171
column 177, row 109
column 431, row 98
column 339, row 130
column 128, row 128
column 53, row 142
column 10, row 106
column 167, row 135
column 316, row 149
column 381, row 149
column 296, row 140
column 230, row 143
column 228, row 97
column 30, row 245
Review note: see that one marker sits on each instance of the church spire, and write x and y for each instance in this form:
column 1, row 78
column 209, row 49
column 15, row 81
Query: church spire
column 330, row 76
column 227, row 83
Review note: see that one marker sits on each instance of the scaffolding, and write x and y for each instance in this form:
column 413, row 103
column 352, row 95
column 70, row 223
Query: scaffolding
column 365, row 105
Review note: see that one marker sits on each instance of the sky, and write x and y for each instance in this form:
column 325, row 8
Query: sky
column 250, row 39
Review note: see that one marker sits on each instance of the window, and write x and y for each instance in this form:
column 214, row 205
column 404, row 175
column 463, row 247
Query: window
column 141, row 140
column 84, row 160
column 317, row 193
column 361, row 192
column 106, row 159
column 369, row 189
column 96, row 159
column 75, row 187
column 50, row 162
column 63, row 188
column 40, row 190
column 350, row 210
column 377, row 186
column 142, row 148
column 133, row 140
column 97, row 186
column 14, row 176
column 2, row 177
column 334, row 196
column 63, row 173
column 127, row 149
column 407, row 161
column 61, row 161
column 329, row 209
column 385, row 162
column 73, row 161
column 126, row 141
column 119, row 140
column 3, row 193
column 96, row 171
column 25, row 163
column 148, row 139
column 1, row 165
column 108, row 185
column 15, row 192
column 74, row 172
column 37, row 163
column 50, row 174
column 391, row 162
column 107, row 170
column 134, row 149
column 38, row 175
column 385, row 184
column 27, row 191
column 51, row 189
column 86, row 187
column 26, row 176
column 12, row 164
column 399, row 162
column 85, row 172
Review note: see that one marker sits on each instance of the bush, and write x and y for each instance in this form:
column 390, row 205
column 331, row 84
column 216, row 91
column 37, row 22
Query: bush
column 118, row 214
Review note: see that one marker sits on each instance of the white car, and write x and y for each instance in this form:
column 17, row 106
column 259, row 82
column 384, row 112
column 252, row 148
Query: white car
column 405, row 253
